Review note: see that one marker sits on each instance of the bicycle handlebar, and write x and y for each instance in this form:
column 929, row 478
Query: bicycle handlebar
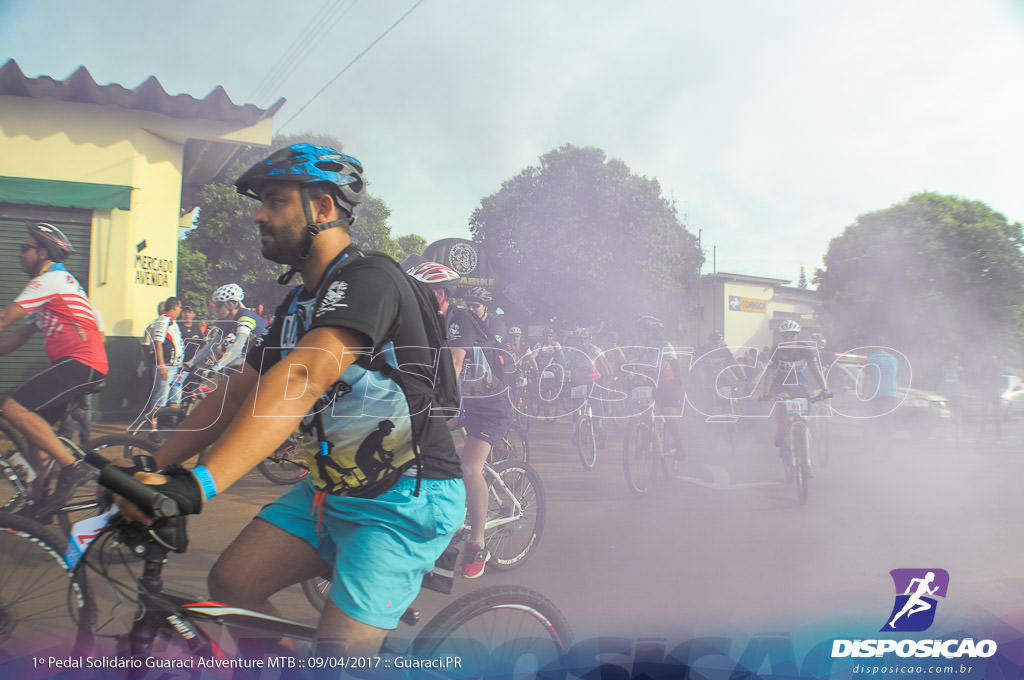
column 121, row 482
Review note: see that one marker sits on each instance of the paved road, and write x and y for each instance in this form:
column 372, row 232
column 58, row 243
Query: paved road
column 726, row 547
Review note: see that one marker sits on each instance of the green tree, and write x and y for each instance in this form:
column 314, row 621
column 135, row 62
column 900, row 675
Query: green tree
column 409, row 244
column 583, row 239
column 228, row 241
column 932, row 275
column 801, row 282
column 193, row 276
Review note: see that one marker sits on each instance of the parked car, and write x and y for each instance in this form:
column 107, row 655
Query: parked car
column 851, row 381
column 1013, row 396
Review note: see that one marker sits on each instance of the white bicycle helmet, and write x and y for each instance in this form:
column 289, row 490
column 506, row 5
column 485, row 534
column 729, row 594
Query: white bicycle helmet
column 230, row 292
column 515, row 330
column 789, row 326
column 435, row 275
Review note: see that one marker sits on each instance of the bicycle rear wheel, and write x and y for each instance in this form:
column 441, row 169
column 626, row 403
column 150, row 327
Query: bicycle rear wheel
column 800, row 439
column 639, row 458
column 286, row 465
column 37, row 597
column 514, row 446
column 502, row 631
column 586, row 442
column 519, row 497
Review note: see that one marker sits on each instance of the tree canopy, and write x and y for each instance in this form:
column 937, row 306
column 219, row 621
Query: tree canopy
column 931, row 276
column 583, row 239
column 224, row 247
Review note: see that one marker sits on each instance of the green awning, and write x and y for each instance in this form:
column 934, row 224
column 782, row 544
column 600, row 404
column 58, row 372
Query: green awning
column 64, row 194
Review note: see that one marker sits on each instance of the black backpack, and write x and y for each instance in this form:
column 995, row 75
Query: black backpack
column 502, row 364
column 444, row 392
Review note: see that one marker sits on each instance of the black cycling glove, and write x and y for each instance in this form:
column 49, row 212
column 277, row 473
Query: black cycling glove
column 183, row 488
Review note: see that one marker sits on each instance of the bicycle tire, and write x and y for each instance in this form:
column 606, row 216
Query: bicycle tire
column 670, row 456
column 315, row 589
column 12, row 494
column 83, row 502
column 286, row 465
column 821, row 447
column 800, row 438
column 500, row 631
column 639, row 459
column 37, row 596
column 108, row 575
column 586, row 442
column 511, row 544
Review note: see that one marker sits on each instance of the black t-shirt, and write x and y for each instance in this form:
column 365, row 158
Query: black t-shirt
column 365, row 416
column 792, row 363
column 467, row 331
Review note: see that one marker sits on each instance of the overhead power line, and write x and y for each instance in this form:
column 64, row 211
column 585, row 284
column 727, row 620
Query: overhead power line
column 332, row 11
column 349, row 65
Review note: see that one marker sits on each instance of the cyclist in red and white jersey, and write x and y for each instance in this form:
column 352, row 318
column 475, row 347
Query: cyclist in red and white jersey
column 55, row 304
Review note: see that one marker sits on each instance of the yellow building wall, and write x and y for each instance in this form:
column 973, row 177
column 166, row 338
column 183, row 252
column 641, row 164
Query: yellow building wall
column 45, row 139
column 747, row 328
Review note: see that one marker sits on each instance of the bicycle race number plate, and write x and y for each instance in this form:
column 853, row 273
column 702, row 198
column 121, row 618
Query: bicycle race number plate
column 796, row 407
column 643, row 394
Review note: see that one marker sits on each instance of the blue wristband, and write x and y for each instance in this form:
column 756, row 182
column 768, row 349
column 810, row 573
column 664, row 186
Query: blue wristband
column 205, row 481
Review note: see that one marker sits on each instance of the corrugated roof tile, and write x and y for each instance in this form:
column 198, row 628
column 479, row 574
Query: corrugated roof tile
column 80, row 87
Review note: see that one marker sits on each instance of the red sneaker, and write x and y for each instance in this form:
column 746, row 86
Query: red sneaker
column 474, row 560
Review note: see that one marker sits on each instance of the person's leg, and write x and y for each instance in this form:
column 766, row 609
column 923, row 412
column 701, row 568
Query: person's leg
column 38, row 432
column 262, row 560
column 473, row 456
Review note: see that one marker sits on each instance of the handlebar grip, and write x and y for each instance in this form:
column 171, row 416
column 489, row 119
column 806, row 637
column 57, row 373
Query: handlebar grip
column 151, row 501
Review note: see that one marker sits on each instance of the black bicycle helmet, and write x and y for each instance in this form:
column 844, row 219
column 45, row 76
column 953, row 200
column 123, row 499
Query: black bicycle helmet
column 52, row 240
column 479, row 294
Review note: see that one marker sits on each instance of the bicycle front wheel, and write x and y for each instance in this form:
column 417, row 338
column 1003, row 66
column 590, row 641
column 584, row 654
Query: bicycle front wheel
column 586, row 442
column 13, row 488
column 83, row 502
column 800, row 439
column 515, row 515
column 501, row 631
column 286, row 465
column 639, row 457
column 35, row 601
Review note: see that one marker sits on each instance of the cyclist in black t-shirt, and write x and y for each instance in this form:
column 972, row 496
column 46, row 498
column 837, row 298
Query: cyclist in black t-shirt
column 487, row 415
column 791, row 364
column 376, row 528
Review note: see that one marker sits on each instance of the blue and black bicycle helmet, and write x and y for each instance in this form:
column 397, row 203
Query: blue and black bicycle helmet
column 309, row 164
column 52, row 240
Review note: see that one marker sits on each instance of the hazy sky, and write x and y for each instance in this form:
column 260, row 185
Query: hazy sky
column 771, row 124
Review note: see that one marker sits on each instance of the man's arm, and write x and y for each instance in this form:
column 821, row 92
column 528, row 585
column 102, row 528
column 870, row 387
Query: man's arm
column 12, row 314
column 283, row 396
column 158, row 354
column 16, row 338
column 208, row 419
column 234, row 349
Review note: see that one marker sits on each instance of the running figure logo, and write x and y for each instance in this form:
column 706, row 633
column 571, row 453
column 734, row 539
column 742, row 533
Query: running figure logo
column 914, row 609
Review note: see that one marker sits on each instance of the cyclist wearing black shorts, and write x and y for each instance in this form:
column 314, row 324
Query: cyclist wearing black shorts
column 55, row 304
column 487, row 414
column 790, row 365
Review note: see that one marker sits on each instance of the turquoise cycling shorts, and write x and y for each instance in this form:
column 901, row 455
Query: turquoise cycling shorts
column 379, row 548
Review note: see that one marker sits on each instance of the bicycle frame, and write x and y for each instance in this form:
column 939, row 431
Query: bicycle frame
column 499, row 491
